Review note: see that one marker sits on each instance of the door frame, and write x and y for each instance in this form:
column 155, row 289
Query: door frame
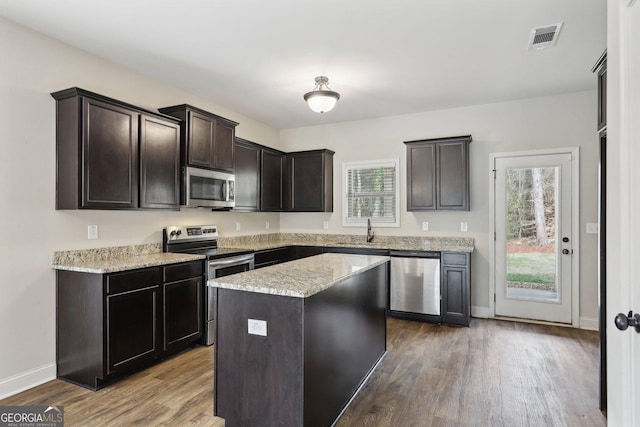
column 575, row 229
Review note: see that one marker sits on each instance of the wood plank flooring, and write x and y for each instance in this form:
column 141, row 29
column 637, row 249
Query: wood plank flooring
column 496, row 373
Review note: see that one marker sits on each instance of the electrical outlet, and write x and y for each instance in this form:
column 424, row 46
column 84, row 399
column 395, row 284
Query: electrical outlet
column 463, row 227
column 267, row 225
column 425, row 226
column 257, row 327
column 92, row 232
column 238, row 226
column 592, row 228
column 325, row 225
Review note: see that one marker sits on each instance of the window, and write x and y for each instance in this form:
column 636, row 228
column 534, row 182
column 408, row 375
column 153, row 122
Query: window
column 371, row 190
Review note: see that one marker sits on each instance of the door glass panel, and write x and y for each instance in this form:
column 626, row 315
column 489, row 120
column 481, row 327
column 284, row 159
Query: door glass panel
column 532, row 234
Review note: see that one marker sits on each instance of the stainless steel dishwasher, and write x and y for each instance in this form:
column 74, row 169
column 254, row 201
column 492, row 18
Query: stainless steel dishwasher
column 415, row 284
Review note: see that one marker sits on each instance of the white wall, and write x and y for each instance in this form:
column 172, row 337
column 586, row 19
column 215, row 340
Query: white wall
column 33, row 66
column 557, row 121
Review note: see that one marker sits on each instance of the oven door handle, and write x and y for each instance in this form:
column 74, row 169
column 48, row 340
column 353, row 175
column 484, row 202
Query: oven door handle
column 232, row 260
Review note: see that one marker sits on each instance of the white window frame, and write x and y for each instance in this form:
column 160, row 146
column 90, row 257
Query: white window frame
column 362, row 222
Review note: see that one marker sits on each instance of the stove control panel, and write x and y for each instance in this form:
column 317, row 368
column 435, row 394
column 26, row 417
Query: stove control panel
column 191, row 232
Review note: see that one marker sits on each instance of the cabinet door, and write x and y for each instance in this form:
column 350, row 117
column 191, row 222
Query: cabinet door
column 223, row 146
column 456, row 289
column 159, row 163
column 110, row 156
column 183, row 312
column 421, row 177
column 131, row 328
column 200, row 148
column 453, row 175
column 311, row 181
column 247, row 171
column 272, row 167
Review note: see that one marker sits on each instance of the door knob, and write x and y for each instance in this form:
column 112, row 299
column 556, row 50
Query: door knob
column 623, row 322
column 565, row 251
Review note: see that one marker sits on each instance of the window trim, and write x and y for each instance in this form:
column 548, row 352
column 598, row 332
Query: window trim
column 395, row 162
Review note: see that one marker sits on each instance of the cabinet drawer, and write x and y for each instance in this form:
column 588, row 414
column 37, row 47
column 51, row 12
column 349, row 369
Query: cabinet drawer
column 454, row 258
column 186, row 270
column 132, row 280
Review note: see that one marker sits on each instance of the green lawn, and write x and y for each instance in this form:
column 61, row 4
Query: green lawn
column 532, row 268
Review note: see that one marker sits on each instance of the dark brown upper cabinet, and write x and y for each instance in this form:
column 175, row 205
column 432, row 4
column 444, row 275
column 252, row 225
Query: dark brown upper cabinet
column 207, row 139
column 601, row 71
column 113, row 155
column 438, row 174
column 159, row 163
column 309, row 181
column 247, row 170
column 269, row 180
column 272, row 168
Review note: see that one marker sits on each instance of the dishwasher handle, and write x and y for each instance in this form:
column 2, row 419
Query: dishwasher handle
column 415, row 254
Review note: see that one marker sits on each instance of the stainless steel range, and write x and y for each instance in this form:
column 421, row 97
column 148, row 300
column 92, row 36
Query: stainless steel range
column 203, row 240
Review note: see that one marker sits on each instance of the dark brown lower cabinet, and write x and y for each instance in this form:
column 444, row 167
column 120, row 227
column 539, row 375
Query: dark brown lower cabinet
column 132, row 328
column 456, row 289
column 306, row 251
column 274, row 256
column 111, row 325
column 182, row 291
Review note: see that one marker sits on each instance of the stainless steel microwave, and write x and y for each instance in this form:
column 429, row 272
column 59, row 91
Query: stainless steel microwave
column 207, row 188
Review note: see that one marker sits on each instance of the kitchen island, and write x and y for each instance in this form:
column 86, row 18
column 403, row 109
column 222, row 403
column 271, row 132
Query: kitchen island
column 295, row 341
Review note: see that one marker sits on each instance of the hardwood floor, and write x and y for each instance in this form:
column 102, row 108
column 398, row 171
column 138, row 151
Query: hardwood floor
column 495, row 373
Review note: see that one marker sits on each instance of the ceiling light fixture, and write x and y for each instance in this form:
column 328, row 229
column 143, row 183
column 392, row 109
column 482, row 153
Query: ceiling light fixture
column 322, row 98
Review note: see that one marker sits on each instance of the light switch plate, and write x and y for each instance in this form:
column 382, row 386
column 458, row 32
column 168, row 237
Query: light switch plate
column 267, row 225
column 592, row 228
column 425, row 226
column 238, row 226
column 463, row 226
column 257, row 327
column 325, row 225
column 92, row 232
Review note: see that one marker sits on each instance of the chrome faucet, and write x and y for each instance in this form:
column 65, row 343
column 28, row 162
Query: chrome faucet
column 370, row 234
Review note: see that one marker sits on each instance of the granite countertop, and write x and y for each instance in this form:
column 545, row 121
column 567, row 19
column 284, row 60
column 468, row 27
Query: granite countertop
column 300, row 278
column 439, row 244
column 123, row 258
column 120, row 258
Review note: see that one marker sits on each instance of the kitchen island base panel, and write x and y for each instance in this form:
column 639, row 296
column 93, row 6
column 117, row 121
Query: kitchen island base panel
column 317, row 353
column 344, row 337
column 253, row 371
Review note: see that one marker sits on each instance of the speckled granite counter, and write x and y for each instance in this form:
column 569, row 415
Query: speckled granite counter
column 119, row 258
column 300, row 278
column 409, row 243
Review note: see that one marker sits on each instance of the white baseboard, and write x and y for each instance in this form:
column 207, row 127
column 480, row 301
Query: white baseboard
column 478, row 311
column 589, row 323
column 26, row 380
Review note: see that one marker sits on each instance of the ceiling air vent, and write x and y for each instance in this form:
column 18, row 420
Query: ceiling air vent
column 544, row 37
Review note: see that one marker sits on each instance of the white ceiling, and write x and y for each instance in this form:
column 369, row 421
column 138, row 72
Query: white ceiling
column 258, row 57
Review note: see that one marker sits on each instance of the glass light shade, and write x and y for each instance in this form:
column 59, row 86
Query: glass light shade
column 321, row 101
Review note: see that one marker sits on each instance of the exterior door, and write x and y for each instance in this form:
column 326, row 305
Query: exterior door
column 623, row 205
column 534, row 236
